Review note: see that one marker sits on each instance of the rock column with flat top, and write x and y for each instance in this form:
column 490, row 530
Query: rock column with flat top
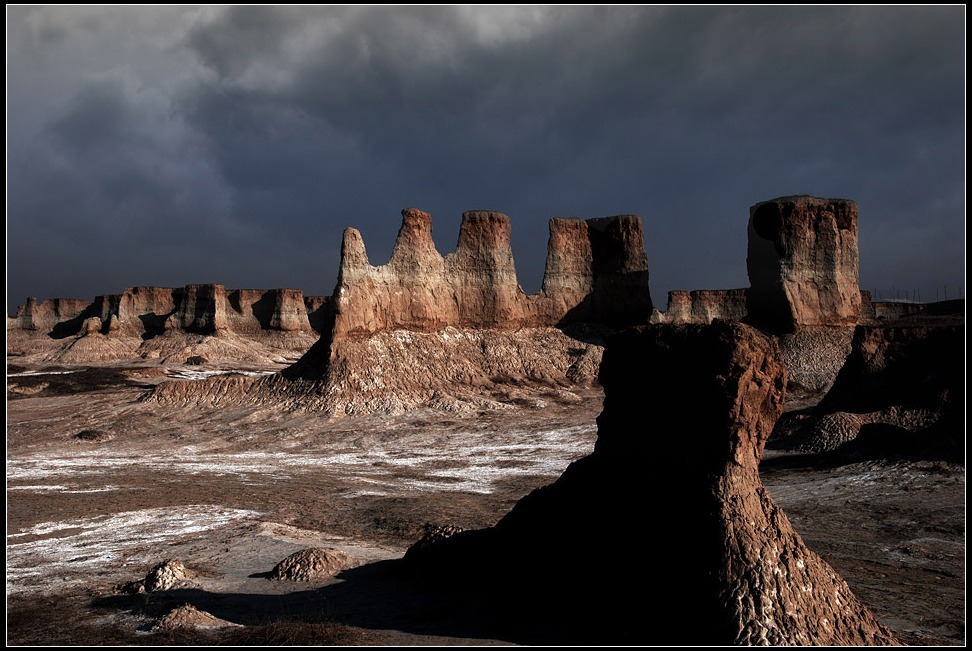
column 803, row 263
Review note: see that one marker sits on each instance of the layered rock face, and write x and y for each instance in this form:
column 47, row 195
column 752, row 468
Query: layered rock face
column 591, row 266
column 43, row 316
column 596, row 272
column 803, row 263
column 703, row 306
column 722, row 561
column 202, row 309
column 895, row 313
column 450, row 331
column 139, row 310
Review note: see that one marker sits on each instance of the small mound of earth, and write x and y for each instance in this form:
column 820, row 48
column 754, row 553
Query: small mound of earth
column 166, row 575
column 188, row 616
column 311, row 564
column 833, row 430
column 433, row 534
column 93, row 436
column 196, row 360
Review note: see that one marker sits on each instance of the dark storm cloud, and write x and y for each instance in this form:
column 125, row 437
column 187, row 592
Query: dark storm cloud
column 300, row 121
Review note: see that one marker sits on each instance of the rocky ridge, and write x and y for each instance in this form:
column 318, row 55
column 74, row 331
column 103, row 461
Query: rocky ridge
column 590, row 265
column 457, row 332
column 452, row 329
column 150, row 311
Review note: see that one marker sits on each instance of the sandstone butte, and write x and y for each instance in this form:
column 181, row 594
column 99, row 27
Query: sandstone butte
column 803, row 270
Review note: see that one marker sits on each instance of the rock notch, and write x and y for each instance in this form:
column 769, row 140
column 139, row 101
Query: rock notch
column 721, row 560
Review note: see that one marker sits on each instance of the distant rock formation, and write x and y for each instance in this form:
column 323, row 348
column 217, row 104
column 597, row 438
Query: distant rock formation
column 803, row 271
column 150, row 311
column 591, row 265
column 901, row 313
column 703, row 306
column 803, row 263
column 721, row 560
column 596, row 272
column 44, row 316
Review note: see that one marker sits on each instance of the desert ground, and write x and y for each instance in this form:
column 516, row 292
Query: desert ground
column 102, row 486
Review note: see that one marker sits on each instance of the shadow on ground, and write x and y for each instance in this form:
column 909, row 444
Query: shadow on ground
column 385, row 595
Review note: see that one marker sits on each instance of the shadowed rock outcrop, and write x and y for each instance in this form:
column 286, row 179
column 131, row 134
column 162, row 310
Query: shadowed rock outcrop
column 596, row 272
column 202, row 309
column 907, row 379
column 803, row 263
column 46, row 315
column 678, row 449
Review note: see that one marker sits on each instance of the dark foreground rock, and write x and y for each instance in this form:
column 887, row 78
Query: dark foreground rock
column 665, row 534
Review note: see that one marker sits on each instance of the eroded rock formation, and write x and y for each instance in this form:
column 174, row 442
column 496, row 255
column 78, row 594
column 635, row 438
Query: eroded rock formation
column 721, row 561
column 151, row 311
column 311, row 564
column 907, row 380
column 803, row 263
column 456, row 332
column 703, row 306
column 44, row 316
column 597, row 272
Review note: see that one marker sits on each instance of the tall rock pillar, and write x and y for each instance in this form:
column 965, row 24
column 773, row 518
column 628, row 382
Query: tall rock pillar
column 803, row 263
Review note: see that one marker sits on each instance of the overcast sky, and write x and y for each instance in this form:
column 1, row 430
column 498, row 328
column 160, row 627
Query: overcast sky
column 174, row 145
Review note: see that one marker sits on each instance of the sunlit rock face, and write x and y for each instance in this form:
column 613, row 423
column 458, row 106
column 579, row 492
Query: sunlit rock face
column 596, row 272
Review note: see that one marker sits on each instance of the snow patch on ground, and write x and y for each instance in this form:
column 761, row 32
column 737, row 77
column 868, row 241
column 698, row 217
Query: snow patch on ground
column 186, row 374
column 391, row 466
column 59, row 488
column 33, row 373
column 53, row 555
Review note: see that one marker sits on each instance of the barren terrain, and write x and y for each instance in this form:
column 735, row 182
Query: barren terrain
column 231, row 492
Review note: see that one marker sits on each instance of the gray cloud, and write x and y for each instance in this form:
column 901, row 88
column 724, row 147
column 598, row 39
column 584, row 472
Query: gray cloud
column 257, row 125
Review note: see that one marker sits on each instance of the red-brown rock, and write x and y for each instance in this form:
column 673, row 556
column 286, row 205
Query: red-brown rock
column 597, row 272
column 45, row 315
column 803, row 263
